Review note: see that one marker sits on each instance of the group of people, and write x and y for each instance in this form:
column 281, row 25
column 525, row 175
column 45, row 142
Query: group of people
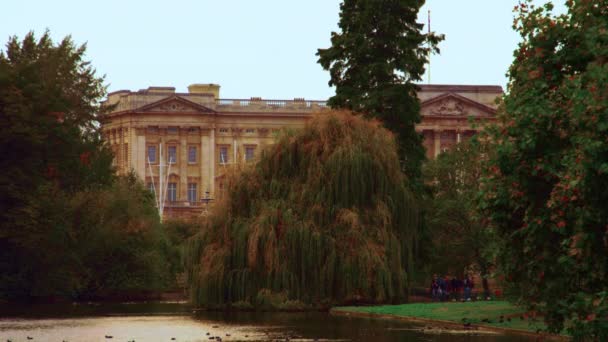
column 443, row 288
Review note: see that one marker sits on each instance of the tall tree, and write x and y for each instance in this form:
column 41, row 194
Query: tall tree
column 49, row 146
column 545, row 187
column 459, row 237
column 373, row 64
column 324, row 218
column 49, row 105
column 68, row 226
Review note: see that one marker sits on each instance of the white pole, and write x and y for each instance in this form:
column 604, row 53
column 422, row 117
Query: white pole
column 167, row 180
column 429, row 32
column 160, row 180
column 153, row 186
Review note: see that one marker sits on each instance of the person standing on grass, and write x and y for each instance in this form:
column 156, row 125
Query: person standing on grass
column 448, row 288
column 455, row 288
column 434, row 288
column 468, row 286
column 441, row 285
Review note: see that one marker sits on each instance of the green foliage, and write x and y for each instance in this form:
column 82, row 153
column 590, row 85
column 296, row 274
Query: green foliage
column 87, row 244
column 123, row 242
column 49, row 108
column 177, row 233
column 458, row 237
column 68, row 227
column 373, row 63
column 544, row 188
column 324, row 217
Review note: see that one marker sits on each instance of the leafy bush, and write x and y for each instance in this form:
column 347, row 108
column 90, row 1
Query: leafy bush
column 544, row 190
column 324, row 217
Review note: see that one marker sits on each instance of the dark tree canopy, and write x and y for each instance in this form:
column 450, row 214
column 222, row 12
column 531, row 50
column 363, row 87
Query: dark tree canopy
column 459, row 239
column 545, row 188
column 49, row 105
column 68, row 227
column 373, row 64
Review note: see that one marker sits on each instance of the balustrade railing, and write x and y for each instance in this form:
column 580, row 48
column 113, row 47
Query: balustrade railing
column 270, row 103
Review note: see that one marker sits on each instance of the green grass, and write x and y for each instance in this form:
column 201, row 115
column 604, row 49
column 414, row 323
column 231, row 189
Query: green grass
column 459, row 312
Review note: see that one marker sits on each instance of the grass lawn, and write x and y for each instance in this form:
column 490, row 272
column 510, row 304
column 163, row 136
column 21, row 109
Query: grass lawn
column 459, row 312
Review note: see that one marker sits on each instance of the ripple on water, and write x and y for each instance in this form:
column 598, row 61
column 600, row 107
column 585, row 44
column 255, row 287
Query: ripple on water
column 167, row 321
column 138, row 328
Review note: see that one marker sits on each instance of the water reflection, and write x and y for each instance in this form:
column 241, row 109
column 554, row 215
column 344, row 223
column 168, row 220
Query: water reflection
column 162, row 322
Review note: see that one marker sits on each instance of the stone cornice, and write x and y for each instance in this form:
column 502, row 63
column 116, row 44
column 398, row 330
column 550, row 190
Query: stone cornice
column 460, row 88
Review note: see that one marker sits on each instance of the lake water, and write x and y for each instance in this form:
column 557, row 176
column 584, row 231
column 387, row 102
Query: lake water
column 165, row 321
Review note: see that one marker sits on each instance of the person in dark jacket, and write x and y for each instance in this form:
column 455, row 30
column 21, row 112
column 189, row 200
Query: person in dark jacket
column 442, row 288
column 448, row 288
column 434, row 288
column 455, row 288
column 468, row 287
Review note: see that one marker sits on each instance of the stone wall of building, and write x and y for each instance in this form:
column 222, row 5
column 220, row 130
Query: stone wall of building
column 199, row 135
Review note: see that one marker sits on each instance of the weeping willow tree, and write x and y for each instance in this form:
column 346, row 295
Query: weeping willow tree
column 324, row 217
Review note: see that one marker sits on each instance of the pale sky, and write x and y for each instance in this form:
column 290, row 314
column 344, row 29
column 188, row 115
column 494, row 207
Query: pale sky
column 263, row 48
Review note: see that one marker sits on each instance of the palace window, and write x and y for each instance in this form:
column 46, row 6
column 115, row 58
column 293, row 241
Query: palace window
column 172, row 192
column 191, row 154
column 249, row 153
column 249, row 130
column 172, row 154
column 153, row 129
column 192, row 198
column 193, row 130
column 151, row 154
column 172, row 130
column 223, row 130
column 223, row 155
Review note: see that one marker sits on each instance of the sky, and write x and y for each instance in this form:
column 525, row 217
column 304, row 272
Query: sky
column 262, row 48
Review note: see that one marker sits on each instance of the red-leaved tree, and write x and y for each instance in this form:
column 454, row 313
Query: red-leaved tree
column 545, row 189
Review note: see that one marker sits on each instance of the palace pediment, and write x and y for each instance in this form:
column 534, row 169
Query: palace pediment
column 454, row 105
column 175, row 104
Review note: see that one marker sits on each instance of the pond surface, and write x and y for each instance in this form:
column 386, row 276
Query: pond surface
column 165, row 321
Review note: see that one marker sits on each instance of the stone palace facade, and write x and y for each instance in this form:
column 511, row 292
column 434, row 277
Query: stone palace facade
column 190, row 139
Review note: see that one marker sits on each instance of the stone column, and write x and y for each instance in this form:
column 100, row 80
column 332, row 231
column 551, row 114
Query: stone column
column 125, row 158
column 437, row 139
column 211, row 184
column 183, row 168
column 129, row 144
column 118, row 150
column 140, row 150
column 234, row 150
column 204, row 166
column 458, row 139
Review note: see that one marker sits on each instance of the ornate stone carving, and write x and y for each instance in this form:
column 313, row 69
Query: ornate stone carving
column 448, row 107
column 173, row 106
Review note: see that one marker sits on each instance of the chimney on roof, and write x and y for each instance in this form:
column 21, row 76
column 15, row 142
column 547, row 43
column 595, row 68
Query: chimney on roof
column 208, row 88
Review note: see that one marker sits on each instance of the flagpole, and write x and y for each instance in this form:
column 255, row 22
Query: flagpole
column 429, row 30
column 160, row 181
column 153, row 186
